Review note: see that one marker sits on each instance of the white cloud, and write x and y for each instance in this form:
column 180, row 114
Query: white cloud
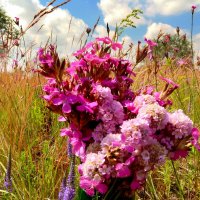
column 155, row 28
column 115, row 10
column 196, row 44
column 56, row 23
column 101, row 31
column 168, row 7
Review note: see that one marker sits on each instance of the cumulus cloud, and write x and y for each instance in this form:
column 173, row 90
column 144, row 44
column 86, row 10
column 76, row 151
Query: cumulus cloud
column 169, row 7
column 101, row 31
column 115, row 10
column 196, row 42
column 55, row 24
column 155, row 28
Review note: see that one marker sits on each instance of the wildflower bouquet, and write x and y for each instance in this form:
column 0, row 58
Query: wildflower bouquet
column 119, row 134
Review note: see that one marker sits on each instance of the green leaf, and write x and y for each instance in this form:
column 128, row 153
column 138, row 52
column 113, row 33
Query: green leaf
column 82, row 195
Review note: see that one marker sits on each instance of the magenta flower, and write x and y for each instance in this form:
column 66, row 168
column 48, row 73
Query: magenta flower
column 122, row 170
column 107, row 40
column 193, row 8
column 87, row 107
column 169, row 81
column 119, row 135
column 151, row 44
column 178, row 154
column 88, row 185
column 196, row 137
column 135, row 185
column 45, row 59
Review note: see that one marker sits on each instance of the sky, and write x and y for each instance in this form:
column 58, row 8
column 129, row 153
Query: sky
column 158, row 15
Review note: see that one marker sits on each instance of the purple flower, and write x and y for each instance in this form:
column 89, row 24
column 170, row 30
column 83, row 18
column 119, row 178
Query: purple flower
column 62, row 189
column 69, row 192
column 8, row 181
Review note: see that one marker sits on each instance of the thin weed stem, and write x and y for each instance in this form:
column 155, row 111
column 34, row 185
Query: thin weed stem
column 191, row 38
column 177, row 180
column 152, row 187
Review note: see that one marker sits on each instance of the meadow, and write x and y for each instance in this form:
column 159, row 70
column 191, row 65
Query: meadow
column 30, row 135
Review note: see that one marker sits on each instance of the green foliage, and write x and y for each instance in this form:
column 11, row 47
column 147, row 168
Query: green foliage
column 8, row 31
column 128, row 21
column 4, row 20
column 173, row 46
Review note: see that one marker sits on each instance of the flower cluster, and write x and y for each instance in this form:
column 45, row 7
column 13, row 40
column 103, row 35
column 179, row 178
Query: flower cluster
column 116, row 132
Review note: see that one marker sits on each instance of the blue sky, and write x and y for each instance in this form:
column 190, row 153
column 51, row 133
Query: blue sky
column 158, row 15
column 89, row 11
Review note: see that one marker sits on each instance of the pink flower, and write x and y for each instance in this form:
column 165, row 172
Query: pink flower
column 196, row 137
column 151, row 44
column 107, row 40
column 122, row 170
column 88, row 185
column 167, row 38
column 182, row 125
column 169, row 81
column 15, row 64
column 17, row 21
column 194, row 7
column 181, row 62
column 16, row 42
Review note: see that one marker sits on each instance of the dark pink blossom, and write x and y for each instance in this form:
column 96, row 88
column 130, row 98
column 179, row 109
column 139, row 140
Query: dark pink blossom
column 178, row 154
column 193, row 7
column 17, row 21
column 196, row 137
column 135, row 185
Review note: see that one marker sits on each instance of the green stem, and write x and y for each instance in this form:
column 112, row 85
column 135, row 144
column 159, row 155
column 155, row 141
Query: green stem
column 153, row 188
column 192, row 38
column 177, row 180
column 143, row 198
column 110, row 190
